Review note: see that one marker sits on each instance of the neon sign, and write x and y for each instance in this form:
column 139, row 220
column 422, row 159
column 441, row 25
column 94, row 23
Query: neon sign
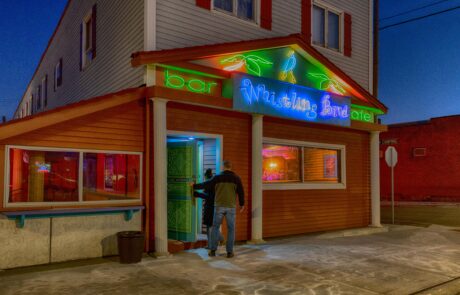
column 275, row 98
column 251, row 62
column 192, row 84
column 287, row 71
column 360, row 114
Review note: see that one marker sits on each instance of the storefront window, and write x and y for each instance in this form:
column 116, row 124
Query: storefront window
column 43, row 176
column 40, row 176
column 111, row 177
column 321, row 165
column 281, row 163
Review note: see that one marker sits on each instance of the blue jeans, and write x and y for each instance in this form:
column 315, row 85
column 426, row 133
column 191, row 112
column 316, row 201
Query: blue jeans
column 209, row 232
column 219, row 213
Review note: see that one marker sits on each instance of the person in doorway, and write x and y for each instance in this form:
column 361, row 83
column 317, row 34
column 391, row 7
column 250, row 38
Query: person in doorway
column 228, row 187
column 208, row 215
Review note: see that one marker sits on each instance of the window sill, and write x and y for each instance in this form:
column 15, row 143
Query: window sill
column 303, row 186
column 326, row 49
column 252, row 23
column 21, row 216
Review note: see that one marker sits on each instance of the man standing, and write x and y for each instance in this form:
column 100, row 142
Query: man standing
column 227, row 186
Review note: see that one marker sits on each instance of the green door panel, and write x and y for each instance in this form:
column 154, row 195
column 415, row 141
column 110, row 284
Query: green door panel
column 182, row 219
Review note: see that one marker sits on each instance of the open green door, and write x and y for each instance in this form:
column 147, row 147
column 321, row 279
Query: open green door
column 182, row 163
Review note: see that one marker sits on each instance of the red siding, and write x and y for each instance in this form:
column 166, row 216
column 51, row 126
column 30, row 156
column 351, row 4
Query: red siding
column 235, row 129
column 306, row 20
column 348, row 36
column 433, row 177
column 302, row 211
column 266, row 14
column 206, row 4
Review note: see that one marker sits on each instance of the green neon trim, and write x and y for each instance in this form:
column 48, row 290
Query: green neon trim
column 251, row 62
column 370, row 109
column 192, row 85
column 193, row 72
column 324, row 79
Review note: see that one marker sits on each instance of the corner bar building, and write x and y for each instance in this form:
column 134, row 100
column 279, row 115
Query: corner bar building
column 300, row 132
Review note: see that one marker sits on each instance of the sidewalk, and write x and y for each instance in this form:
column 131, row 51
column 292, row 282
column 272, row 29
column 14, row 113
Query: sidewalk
column 404, row 260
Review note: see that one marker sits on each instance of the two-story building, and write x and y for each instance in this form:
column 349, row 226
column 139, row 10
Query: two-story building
column 132, row 100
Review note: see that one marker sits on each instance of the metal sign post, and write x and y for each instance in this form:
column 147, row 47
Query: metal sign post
column 391, row 157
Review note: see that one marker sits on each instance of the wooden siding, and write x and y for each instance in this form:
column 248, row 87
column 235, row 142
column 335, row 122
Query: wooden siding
column 180, row 23
column 117, row 129
column 356, row 66
column 291, row 212
column 120, row 27
column 235, row 129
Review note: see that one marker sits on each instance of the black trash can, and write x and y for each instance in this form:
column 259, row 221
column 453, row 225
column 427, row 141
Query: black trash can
column 130, row 246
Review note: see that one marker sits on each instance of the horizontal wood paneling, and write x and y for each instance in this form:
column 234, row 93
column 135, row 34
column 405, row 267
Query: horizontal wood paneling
column 235, row 129
column 302, row 211
column 120, row 128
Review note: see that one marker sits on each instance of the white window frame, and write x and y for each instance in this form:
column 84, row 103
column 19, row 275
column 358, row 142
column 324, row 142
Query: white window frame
column 8, row 204
column 84, row 52
column 234, row 15
column 328, row 8
column 303, row 185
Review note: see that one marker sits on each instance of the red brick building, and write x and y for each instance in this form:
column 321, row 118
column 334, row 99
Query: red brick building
column 428, row 167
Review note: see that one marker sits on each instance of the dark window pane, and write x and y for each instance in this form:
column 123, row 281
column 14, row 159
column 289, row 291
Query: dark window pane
column 42, row 176
column 111, row 177
column 333, row 31
column 281, row 163
column 321, row 165
column 226, row 5
column 318, row 25
column 246, row 9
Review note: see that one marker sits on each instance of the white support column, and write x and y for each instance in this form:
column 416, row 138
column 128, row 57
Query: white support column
column 160, row 172
column 257, row 199
column 375, row 178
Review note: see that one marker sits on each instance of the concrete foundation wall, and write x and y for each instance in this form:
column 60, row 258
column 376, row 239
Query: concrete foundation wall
column 49, row 240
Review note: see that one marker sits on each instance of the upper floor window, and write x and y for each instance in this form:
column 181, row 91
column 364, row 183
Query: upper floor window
column 44, row 89
column 88, row 38
column 39, row 97
column 58, row 75
column 327, row 26
column 244, row 9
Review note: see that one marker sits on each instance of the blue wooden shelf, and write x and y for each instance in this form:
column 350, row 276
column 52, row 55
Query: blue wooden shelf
column 21, row 216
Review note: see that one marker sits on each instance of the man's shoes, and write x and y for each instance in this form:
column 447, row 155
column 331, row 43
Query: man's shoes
column 212, row 253
column 230, row 254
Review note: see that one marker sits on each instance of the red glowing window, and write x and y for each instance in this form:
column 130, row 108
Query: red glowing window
column 43, row 176
column 281, row 163
column 111, row 177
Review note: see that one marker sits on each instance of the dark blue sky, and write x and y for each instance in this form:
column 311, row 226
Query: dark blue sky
column 419, row 61
column 25, row 26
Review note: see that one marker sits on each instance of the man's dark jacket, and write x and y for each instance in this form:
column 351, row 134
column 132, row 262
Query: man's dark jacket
column 227, row 185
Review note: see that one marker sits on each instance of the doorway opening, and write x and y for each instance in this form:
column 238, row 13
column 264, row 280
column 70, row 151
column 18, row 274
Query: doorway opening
column 189, row 156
